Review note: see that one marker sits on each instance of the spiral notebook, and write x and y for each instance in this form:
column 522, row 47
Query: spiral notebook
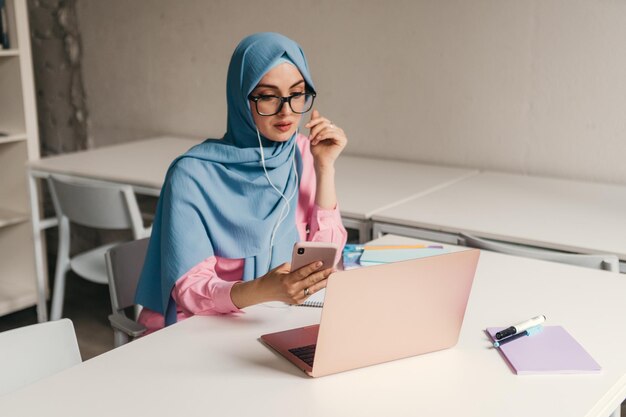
column 315, row 300
column 551, row 351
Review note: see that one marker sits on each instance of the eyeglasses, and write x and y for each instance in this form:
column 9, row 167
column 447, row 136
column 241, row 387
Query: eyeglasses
column 271, row 105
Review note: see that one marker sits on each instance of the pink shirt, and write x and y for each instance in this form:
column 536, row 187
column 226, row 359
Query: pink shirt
column 205, row 288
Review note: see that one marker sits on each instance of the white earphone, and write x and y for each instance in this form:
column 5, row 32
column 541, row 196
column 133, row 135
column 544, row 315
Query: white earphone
column 282, row 216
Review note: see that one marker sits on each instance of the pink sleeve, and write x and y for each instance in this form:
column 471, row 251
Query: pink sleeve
column 316, row 224
column 326, row 226
column 201, row 291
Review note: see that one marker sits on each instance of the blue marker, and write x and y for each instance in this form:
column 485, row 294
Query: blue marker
column 528, row 332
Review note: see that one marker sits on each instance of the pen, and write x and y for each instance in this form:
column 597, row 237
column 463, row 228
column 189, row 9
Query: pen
column 528, row 332
column 391, row 247
column 520, row 327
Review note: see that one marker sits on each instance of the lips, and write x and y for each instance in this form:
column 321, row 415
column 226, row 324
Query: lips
column 283, row 126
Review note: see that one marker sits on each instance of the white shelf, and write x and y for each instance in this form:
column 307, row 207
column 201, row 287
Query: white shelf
column 13, row 138
column 18, row 118
column 18, row 295
column 17, row 269
column 10, row 217
column 9, row 52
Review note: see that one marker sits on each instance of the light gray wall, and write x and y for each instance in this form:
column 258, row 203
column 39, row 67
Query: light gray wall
column 536, row 86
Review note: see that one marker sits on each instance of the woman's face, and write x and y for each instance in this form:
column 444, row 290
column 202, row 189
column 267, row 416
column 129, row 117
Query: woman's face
column 283, row 80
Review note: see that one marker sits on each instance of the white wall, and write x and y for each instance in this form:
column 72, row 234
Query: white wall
column 535, row 86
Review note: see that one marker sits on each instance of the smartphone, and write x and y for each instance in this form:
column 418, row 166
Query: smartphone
column 305, row 253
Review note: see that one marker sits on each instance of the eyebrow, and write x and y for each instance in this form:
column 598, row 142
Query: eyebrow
column 276, row 87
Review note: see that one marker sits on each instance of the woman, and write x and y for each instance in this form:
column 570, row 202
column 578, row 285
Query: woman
column 230, row 210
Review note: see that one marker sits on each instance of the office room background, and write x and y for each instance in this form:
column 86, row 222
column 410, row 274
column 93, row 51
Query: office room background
column 534, row 87
column 527, row 87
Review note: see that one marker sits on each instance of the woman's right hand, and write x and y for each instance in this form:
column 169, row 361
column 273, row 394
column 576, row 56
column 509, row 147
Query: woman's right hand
column 281, row 284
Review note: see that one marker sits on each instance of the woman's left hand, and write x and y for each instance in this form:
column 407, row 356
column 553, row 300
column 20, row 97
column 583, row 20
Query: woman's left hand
column 327, row 140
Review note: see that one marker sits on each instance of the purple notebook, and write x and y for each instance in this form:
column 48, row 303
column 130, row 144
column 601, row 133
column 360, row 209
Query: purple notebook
column 551, row 351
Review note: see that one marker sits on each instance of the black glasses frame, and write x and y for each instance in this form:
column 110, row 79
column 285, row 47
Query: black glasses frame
column 283, row 100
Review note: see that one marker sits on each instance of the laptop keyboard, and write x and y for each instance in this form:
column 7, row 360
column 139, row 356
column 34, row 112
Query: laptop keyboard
column 305, row 353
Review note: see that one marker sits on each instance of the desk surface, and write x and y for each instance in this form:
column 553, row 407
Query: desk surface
column 366, row 186
column 217, row 366
column 363, row 184
column 142, row 163
column 557, row 214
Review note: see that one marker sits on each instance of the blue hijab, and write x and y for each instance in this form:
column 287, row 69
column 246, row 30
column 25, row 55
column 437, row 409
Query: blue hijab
column 216, row 199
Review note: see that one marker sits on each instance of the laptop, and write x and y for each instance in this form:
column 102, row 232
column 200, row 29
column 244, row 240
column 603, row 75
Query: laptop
column 382, row 313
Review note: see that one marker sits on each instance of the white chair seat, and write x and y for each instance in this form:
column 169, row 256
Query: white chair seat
column 91, row 265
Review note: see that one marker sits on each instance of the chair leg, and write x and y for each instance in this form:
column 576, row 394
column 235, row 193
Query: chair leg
column 56, row 310
column 63, row 265
column 119, row 338
column 617, row 412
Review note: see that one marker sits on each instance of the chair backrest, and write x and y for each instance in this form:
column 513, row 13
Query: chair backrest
column 96, row 204
column 598, row 261
column 124, row 263
column 30, row 353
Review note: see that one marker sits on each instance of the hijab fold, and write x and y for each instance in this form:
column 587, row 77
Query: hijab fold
column 216, row 199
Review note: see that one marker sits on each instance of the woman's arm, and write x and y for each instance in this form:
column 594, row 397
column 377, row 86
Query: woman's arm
column 202, row 291
column 199, row 291
column 327, row 142
column 325, row 196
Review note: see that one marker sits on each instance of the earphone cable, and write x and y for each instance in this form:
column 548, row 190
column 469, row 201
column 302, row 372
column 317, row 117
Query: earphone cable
column 282, row 216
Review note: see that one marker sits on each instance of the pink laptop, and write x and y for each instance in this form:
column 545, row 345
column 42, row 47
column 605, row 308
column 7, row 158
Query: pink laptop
column 382, row 313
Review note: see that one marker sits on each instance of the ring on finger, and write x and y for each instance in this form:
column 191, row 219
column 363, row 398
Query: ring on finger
column 306, row 292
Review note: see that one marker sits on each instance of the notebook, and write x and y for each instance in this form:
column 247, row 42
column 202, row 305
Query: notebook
column 315, row 300
column 420, row 309
column 551, row 351
column 385, row 256
column 355, row 256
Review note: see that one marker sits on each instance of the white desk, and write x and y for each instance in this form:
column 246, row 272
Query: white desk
column 208, row 366
column 366, row 186
column 141, row 164
column 571, row 216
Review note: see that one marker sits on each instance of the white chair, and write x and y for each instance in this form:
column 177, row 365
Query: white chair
column 598, row 261
column 93, row 204
column 124, row 263
column 34, row 352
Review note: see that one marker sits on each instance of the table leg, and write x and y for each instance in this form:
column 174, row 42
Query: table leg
column 364, row 227
column 365, row 232
column 42, row 314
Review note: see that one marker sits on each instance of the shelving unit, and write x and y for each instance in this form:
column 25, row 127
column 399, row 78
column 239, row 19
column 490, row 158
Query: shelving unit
column 18, row 145
column 9, row 52
column 13, row 138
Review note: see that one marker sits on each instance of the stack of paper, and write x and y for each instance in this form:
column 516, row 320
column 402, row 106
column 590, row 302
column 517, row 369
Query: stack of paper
column 355, row 256
column 377, row 255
